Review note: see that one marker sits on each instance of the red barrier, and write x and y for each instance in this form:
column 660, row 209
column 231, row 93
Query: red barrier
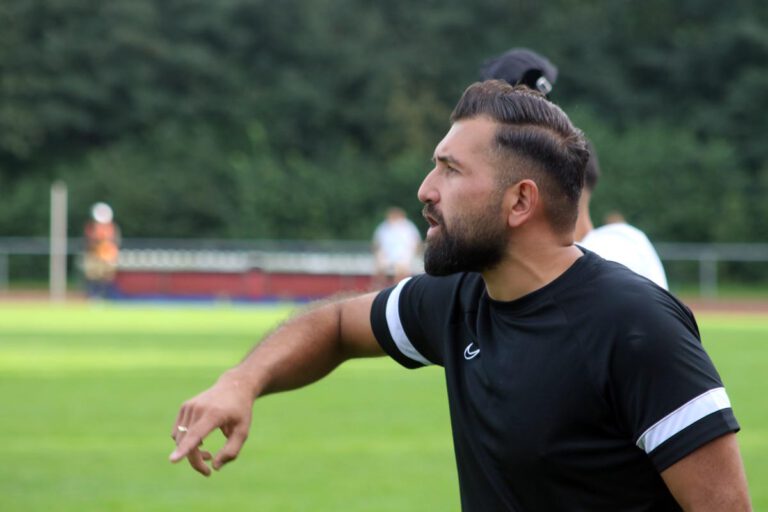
column 252, row 285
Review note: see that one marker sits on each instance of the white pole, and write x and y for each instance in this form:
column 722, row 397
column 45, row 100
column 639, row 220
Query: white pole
column 58, row 268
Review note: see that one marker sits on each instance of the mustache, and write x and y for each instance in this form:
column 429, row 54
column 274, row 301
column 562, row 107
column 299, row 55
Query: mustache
column 430, row 210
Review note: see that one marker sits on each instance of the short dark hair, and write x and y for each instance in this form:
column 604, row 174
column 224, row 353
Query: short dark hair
column 592, row 170
column 537, row 130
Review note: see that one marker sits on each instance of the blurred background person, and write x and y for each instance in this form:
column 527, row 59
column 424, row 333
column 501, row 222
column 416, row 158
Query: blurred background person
column 102, row 248
column 613, row 217
column 617, row 241
column 396, row 244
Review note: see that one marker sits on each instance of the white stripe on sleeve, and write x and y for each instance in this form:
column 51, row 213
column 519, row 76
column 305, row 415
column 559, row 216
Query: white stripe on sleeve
column 396, row 327
column 682, row 417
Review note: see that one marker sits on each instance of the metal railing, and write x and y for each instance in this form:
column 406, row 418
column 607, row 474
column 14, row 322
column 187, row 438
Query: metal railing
column 707, row 256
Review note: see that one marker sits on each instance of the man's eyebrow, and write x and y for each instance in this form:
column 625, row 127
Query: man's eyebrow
column 446, row 159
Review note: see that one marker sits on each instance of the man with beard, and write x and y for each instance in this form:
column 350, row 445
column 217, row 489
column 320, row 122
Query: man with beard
column 573, row 383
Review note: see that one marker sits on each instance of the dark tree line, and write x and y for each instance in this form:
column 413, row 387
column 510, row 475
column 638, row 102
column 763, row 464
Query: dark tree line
column 307, row 118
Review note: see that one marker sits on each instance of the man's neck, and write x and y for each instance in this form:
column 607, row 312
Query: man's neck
column 584, row 220
column 525, row 271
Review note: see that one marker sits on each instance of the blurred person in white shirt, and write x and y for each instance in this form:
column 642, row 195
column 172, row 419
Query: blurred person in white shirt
column 616, row 240
column 396, row 244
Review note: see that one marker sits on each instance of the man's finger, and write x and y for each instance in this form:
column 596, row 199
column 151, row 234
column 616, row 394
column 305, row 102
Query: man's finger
column 184, row 420
column 195, row 459
column 231, row 448
column 185, row 445
column 176, row 423
column 191, row 439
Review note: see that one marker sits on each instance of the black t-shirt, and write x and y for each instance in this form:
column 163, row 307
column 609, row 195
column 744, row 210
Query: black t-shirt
column 573, row 397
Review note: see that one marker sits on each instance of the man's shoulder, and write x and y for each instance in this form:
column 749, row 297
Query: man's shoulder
column 462, row 282
column 436, row 296
column 611, row 282
column 413, row 318
column 627, row 297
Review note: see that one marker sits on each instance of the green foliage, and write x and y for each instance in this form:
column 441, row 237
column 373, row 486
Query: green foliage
column 668, row 181
column 25, row 207
column 306, row 118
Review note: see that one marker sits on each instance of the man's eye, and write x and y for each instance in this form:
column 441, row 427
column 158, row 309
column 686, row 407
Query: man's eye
column 450, row 170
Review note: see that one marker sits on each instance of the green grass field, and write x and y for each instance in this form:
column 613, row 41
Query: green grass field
column 88, row 394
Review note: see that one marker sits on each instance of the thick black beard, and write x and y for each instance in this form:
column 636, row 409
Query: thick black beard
column 465, row 249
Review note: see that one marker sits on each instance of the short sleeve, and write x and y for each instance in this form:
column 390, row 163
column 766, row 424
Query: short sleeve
column 667, row 388
column 410, row 320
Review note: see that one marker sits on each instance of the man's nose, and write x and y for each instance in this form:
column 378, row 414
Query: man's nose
column 428, row 191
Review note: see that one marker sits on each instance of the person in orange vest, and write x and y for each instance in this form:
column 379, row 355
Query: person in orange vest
column 102, row 239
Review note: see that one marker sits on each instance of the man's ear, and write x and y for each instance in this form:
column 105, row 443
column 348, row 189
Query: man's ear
column 520, row 202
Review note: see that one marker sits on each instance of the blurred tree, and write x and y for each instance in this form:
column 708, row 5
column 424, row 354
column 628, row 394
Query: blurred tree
column 666, row 180
column 306, row 118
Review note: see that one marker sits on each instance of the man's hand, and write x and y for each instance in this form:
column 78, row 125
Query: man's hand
column 228, row 406
column 300, row 352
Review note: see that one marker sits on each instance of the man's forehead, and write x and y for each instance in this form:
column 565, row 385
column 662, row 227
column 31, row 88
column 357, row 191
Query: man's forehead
column 467, row 137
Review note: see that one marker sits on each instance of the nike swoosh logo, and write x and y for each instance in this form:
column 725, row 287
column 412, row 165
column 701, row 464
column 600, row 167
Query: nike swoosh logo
column 469, row 353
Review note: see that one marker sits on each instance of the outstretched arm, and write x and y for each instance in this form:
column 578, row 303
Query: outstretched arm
column 303, row 350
